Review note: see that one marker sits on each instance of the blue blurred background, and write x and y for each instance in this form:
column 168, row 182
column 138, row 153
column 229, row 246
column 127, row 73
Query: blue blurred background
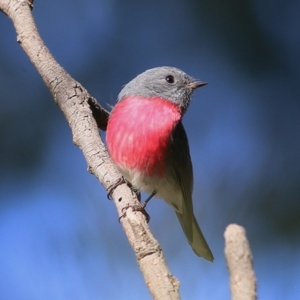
column 59, row 235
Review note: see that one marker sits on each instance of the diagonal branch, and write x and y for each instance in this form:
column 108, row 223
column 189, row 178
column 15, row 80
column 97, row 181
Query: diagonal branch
column 84, row 116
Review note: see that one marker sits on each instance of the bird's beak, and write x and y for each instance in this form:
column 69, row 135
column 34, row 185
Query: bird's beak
column 196, row 84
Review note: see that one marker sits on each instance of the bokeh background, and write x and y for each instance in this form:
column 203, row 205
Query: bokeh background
column 59, row 235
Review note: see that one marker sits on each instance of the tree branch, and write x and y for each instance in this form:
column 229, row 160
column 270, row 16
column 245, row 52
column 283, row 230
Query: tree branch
column 239, row 263
column 84, row 116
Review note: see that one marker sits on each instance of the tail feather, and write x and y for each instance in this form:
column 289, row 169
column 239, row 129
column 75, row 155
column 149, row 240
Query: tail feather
column 195, row 238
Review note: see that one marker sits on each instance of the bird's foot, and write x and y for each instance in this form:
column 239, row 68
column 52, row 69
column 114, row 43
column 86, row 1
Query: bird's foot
column 137, row 207
column 113, row 186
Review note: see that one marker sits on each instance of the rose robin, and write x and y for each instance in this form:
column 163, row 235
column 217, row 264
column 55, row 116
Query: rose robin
column 147, row 142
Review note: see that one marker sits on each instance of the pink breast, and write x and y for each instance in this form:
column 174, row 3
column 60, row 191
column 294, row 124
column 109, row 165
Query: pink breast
column 139, row 131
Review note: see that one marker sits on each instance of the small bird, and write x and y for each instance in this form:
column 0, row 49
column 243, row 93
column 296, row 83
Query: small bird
column 148, row 144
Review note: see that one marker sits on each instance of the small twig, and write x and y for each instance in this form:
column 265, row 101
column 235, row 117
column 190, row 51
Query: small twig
column 99, row 113
column 239, row 263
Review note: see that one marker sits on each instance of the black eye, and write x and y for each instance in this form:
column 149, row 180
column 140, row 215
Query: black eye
column 170, row 79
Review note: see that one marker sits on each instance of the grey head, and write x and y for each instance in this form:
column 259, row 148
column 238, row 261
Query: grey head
column 165, row 82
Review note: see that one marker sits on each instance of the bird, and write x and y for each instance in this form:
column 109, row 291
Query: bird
column 148, row 144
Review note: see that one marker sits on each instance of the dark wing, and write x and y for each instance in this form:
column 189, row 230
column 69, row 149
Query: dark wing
column 183, row 174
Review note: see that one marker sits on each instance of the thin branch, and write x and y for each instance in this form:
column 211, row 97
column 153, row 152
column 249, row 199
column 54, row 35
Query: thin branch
column 239, row 263
column 81, row 110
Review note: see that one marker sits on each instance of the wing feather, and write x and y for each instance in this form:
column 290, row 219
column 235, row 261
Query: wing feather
column 182, row 169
